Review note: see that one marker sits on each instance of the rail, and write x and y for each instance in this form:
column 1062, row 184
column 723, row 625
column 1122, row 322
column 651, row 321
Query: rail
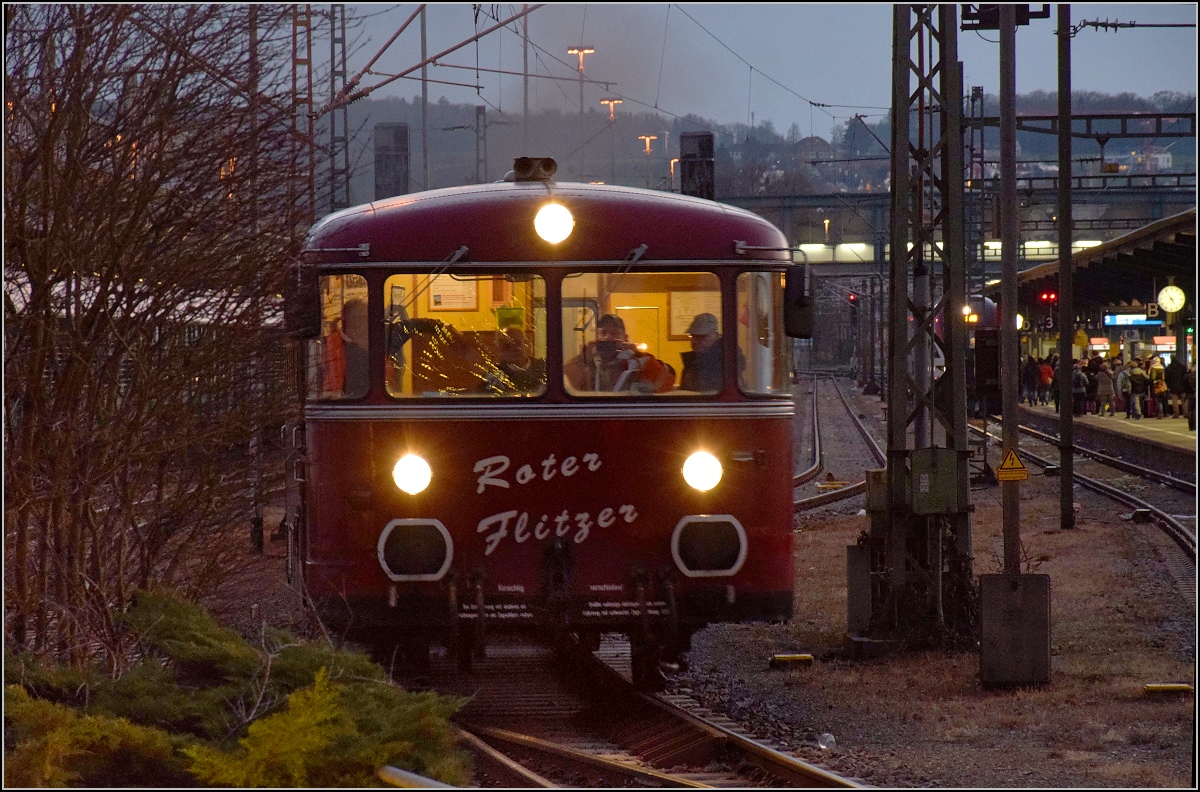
column 1176, row 530
column 818, row 457
column 1120, row 464
column 860, row 487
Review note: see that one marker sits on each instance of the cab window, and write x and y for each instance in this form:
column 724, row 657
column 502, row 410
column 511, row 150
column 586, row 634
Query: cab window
column 642, row 334
column 465, row 335
column 337, row 358
column 763, row 348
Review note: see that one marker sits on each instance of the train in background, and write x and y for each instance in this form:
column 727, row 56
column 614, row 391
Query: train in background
column 556, row 408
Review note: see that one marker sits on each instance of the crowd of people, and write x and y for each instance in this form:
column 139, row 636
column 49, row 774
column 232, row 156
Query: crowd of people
column 1143, row 387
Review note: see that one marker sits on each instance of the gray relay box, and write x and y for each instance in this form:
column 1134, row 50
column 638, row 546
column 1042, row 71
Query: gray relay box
column 934, row 481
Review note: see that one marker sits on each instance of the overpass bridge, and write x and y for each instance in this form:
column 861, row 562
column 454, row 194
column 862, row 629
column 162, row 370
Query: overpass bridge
column 845, row 234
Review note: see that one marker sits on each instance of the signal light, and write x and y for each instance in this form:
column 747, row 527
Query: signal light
column 1049, row 297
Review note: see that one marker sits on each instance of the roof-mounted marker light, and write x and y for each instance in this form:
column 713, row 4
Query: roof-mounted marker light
column 553, row 223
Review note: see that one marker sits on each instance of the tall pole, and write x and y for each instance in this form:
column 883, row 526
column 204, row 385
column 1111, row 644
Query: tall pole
column 612, row 103
column 424, row 108
column 1009, row 365
column 909, row 540
column 525, row 78
column 480, row 144
column 581, row 51
column 1066, row 275
column 646, row 139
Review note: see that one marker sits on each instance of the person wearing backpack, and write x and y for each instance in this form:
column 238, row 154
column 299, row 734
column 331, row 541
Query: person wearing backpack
column 1138, row 385
column 1123, row 387
column 1104, row 391
column 1158, row 386
column 1046, row 372
column 1176, row 374
column 1079, row 384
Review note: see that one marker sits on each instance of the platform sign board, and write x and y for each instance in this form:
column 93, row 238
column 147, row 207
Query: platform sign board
column 1011, row 468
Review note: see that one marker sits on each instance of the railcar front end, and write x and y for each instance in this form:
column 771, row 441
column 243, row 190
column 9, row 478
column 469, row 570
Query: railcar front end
column 568, row 435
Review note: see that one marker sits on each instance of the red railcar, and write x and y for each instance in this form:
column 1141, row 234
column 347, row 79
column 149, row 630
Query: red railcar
column 501, row 430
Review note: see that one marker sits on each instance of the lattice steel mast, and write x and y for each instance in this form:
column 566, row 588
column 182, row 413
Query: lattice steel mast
column 921, row 568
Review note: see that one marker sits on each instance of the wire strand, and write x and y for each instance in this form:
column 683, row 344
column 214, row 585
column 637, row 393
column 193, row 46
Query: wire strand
column 663, row 59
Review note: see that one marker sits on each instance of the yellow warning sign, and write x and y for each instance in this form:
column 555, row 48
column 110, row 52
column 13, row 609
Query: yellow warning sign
column 1011, row 468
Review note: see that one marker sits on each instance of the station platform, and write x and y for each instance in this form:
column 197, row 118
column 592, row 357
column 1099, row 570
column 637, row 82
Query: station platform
column 1167, row 432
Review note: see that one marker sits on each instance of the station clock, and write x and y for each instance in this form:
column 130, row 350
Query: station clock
column 1171, row 299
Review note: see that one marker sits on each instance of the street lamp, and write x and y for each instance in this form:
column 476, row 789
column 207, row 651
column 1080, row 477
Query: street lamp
column 612, row 131
column 581, row 50
column 612, row 105
column 672, row 166
column 647, row 139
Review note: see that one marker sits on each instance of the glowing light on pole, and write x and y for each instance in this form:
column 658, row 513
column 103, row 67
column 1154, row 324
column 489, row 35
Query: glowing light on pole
column 612, row 131
column 612, row 104
column 581, row 50
column 647, row 139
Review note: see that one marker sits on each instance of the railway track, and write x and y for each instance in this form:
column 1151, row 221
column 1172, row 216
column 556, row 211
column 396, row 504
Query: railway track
column 1174, row 499
column 876, row 453
column 540, row 718
column 818, row 455
column 1181, row 485
column 1170, row 506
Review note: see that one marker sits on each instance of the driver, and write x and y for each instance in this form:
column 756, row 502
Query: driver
column 611, row 363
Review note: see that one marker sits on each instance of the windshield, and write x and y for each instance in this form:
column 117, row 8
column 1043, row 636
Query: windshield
column 643, row 333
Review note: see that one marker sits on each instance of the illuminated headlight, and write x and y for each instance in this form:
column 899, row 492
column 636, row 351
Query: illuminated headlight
column 702, row 471
column 412, row 474
column 553, row 223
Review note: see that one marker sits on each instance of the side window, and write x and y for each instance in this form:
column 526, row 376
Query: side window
column 465, row 335
column 642, row 333
column 763, row 348
column 337, row 359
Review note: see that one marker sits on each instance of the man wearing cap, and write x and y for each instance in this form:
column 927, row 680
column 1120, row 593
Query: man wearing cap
column 611, row 363
column 703, row 367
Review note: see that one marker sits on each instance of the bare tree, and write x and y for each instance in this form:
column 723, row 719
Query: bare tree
column 148, row 215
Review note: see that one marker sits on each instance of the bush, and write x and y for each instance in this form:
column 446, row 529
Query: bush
column 55, row 746
column 203, row 701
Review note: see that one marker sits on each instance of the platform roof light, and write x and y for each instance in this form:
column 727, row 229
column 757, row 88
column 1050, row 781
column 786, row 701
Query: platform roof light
column 554, row 223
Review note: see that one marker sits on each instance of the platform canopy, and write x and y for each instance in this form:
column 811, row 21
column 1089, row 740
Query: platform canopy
column 1123, row 270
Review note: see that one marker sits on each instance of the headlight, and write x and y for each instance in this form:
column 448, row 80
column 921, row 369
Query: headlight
column 702, row 471
column 553, row 223
column 412, row 474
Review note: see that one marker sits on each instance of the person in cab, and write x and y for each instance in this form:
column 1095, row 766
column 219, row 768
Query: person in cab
column 612, row 363
column 517, row 371
column 704, row 365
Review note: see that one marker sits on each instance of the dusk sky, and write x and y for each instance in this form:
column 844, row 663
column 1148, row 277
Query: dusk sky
column 725, row 62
